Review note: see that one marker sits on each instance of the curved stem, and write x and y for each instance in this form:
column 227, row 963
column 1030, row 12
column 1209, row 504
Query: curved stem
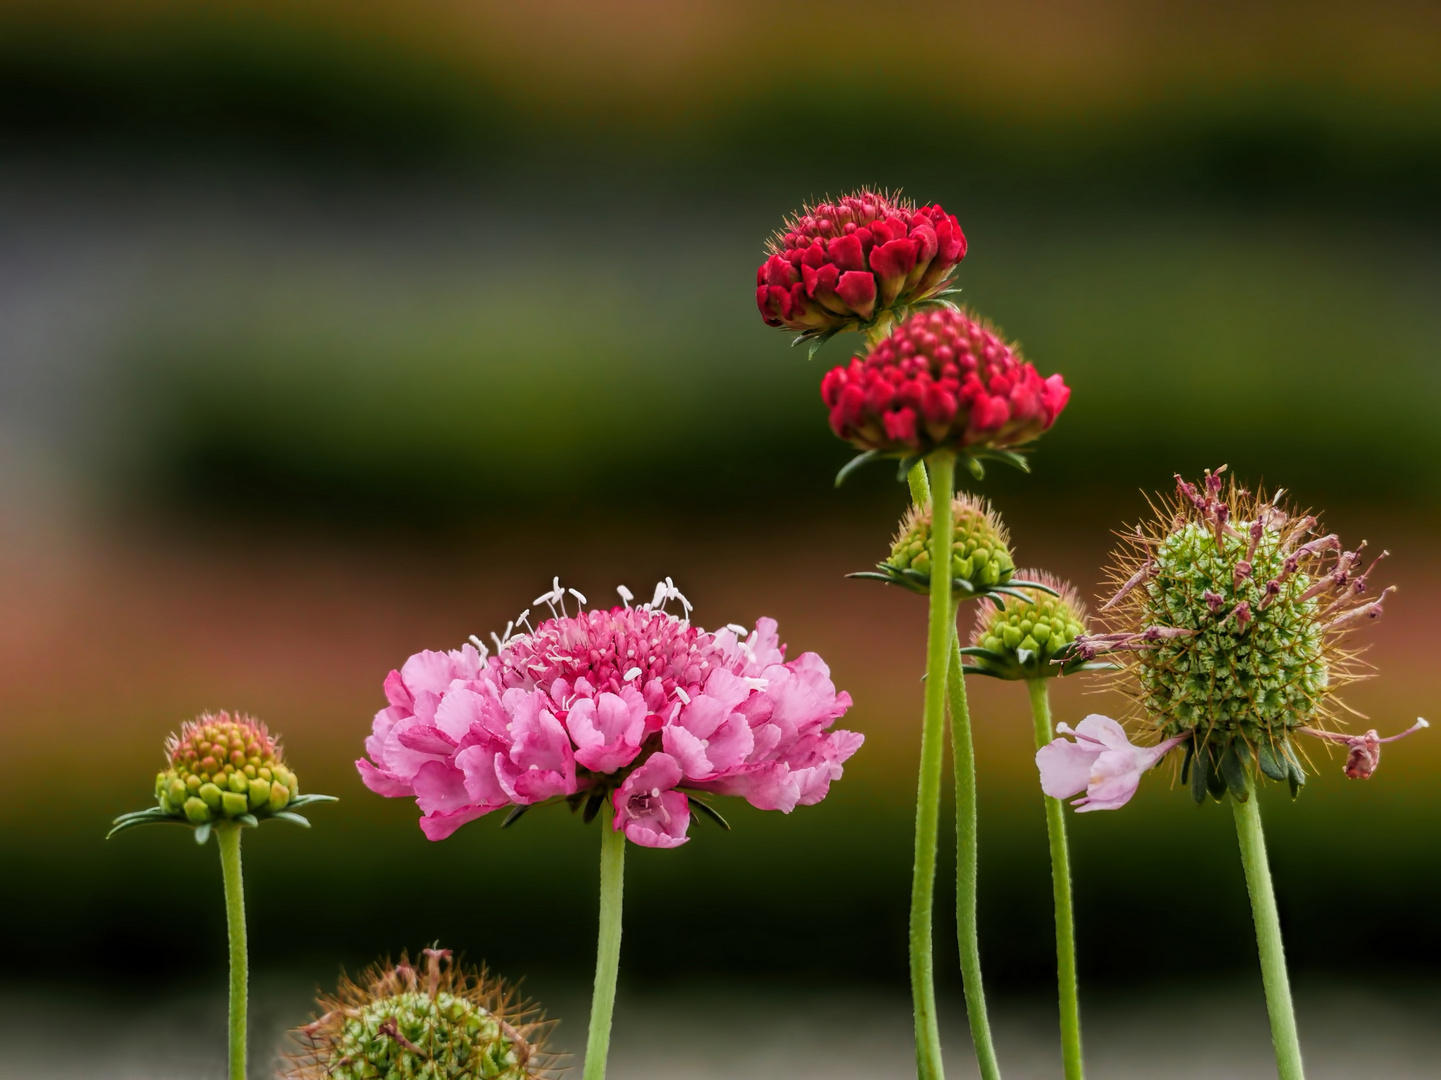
column 963, row 761
column 227, row 836
column 607, row 952
column 1268, row 938
column 928, row 789
column 1061, row 895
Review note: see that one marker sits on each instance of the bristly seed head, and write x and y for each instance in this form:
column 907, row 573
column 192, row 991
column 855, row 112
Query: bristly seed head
column 1228, row 621
column 439, row 1023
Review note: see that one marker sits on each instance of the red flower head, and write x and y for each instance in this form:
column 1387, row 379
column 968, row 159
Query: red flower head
column 941, row 380
column 844, row 265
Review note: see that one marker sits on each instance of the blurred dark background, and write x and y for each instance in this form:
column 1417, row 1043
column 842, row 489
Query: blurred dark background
column 330, row 332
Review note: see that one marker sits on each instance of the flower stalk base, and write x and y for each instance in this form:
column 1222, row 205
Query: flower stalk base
column 1061, row 894
column 227, row 837
column 607, row 953
column 1268, row 938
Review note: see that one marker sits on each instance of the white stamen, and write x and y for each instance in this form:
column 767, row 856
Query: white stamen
column 577, row 595
column 480, row 646
column 738, row 631
column 1422, row 722
column 655, row 793
column 631, row 674
column 755, row 684
column 626, row 596
column 658, row 600
column 682, row 695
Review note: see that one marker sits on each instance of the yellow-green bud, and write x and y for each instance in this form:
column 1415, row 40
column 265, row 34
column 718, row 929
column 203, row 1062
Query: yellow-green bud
column 1020, row 640
column 980, row 546
column 222, row 767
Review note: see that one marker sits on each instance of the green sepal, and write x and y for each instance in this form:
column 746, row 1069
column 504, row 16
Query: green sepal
column 855, row 463
column 873, row 575
column 153, row 816
column 1017, row 583
column 306, row 800
column 818, row 341
column 709, row 811
column 294, row 819
column 1233, row 772
column 1215, row 779
column 1201, row 767
column 202, row 833
column 971, row 669
column 249, row 820
column 593, row 805
column 515, row 815
column 1012, row 458
column 1186, row 762
column 1270, row 766
column 1295, row 775
column 974, row 465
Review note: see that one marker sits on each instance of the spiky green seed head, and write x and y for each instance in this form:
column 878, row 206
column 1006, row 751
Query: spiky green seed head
column 438, row 1023
column 980, row 546
column 221, row 767
column 1020, row 640
column 1229, row 618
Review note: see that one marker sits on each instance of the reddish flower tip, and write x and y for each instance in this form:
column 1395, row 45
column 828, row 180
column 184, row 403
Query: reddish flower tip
column 841, row 265
column 941, row 380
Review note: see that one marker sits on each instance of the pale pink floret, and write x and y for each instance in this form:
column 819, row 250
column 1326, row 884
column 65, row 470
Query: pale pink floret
column 583, row 697
column 1101, row 761
column 649, row 809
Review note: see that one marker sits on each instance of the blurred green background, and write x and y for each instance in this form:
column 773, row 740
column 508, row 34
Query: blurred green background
column 330, row 332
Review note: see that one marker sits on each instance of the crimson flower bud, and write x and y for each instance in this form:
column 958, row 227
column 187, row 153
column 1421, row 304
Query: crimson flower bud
column 848, row 264
column 942, row 380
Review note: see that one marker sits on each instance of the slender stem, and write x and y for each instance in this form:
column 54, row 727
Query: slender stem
column 963, row 761
column 1061, row 895
column 607, row 951
column 1268, row 938
column 227, row 836
column 928, row 789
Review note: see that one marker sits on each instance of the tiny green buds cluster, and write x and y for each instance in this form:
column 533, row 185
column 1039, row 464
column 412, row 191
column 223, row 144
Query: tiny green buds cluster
column 981, row 562
column 437, row 1024
column 1033, row 640
column 222, row 768
column 1230, row 612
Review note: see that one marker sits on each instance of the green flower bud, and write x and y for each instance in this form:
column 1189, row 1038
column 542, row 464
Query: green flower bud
column 226, row 766
column 437, row 1024
column 1020, row 640
column 980, row 547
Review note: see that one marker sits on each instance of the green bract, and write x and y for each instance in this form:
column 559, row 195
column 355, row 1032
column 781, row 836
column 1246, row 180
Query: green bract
column 439, row 1024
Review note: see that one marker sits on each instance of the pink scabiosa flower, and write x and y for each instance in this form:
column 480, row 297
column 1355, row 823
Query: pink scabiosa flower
column 852, row 263
column 942, row 380
column 631, row 703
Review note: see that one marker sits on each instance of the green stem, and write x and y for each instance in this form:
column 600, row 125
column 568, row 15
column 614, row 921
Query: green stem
column 227, row 836
column 963, row 761
column 1061, row 894
column 607, row 952
column 1268, row 938
column 928, row 790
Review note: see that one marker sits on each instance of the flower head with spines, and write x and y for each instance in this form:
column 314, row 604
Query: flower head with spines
column 438, row 1023
column 1033, row 640
column 1229, row 621
column 222, row 768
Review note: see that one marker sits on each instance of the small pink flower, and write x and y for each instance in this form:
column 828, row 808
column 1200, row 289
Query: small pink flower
column 541, row 760
column 1101, row 761
column 1363, row 751
column 649, row 809
column 608, row 729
